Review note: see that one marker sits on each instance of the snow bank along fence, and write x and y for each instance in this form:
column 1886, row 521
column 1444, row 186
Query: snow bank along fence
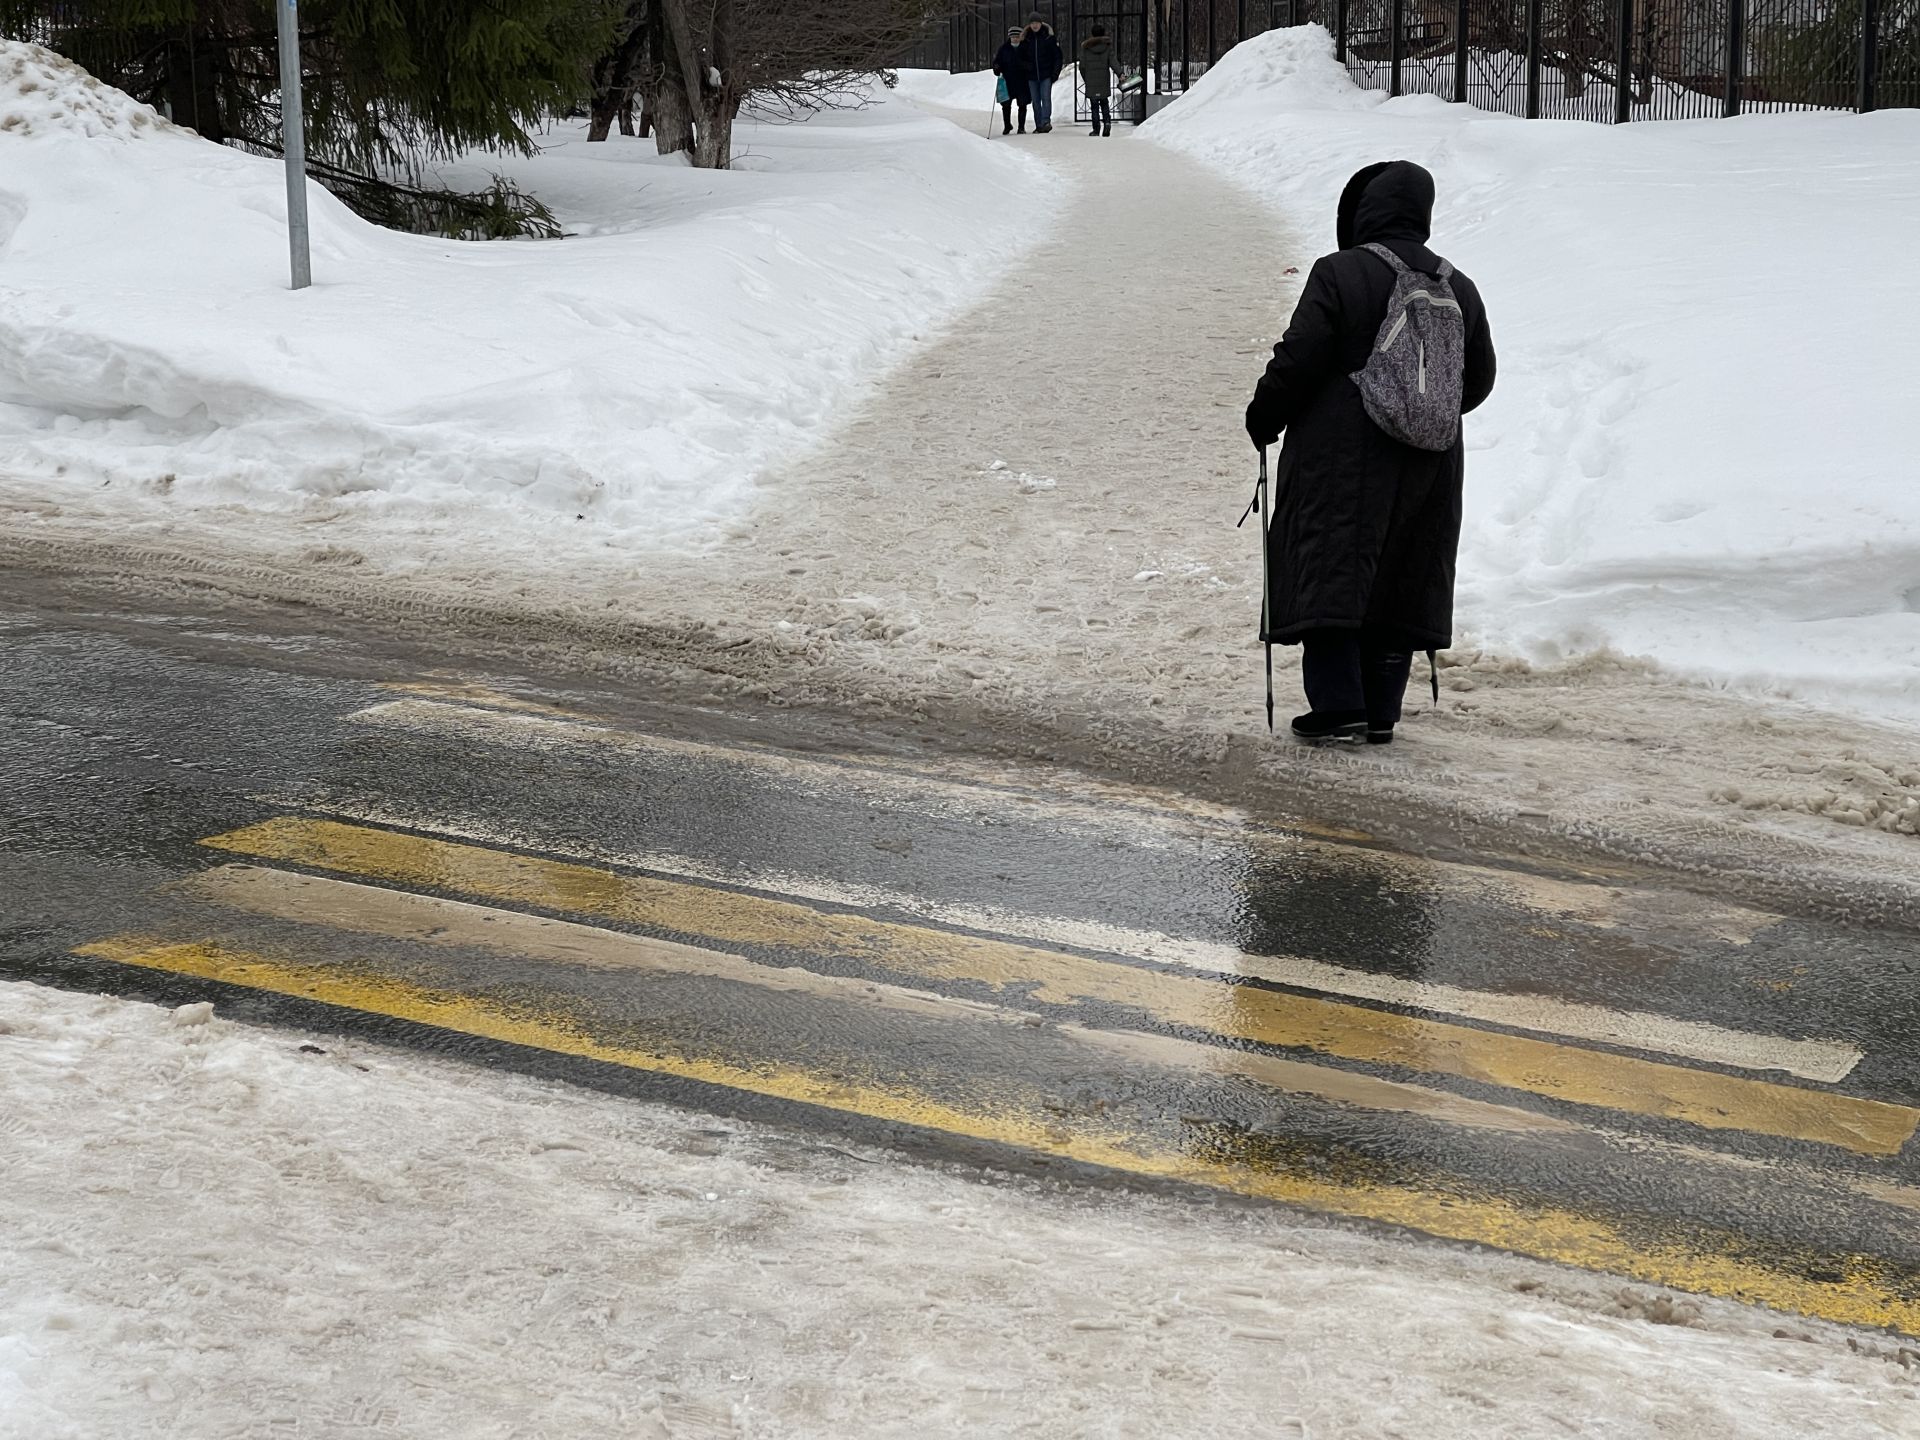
column 1607, row 60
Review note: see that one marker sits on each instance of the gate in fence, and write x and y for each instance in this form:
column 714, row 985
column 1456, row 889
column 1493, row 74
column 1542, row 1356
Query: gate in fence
column 1606, row 60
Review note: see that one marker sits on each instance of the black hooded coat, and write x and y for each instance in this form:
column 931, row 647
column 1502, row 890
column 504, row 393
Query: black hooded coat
column 1365, row 530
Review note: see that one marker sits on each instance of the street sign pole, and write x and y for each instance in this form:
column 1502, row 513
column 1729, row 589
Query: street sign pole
column 293, row 129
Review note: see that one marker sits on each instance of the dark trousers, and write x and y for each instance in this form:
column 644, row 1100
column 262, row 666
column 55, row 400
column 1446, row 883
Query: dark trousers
column 1102, row 111
column 1356, row 670
column 1006, row 113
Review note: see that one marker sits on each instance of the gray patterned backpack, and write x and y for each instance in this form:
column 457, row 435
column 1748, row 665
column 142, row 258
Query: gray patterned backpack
column 1413, row 381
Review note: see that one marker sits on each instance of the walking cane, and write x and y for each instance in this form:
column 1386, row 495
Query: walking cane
column 1258, row 506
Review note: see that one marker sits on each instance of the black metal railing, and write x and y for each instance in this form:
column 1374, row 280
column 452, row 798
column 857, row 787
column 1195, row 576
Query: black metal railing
column 1602, row 60
column 1620, row 60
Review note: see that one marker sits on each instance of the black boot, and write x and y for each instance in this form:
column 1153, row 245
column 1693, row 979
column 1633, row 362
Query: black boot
column 1330, row 727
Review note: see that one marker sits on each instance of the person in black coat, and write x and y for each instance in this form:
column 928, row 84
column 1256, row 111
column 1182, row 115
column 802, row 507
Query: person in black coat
column 1364, row 530
column 1010, row 64
column 1043, row 58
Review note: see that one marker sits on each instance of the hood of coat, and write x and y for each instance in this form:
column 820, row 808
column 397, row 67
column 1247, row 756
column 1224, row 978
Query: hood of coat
column 1096, row 45
column 1389, row 201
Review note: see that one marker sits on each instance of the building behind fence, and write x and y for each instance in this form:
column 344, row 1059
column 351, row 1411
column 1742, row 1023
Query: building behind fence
column 1606, row 60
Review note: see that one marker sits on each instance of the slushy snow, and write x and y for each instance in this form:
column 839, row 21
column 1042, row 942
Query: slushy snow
column 216, row 1230
column 624, row 387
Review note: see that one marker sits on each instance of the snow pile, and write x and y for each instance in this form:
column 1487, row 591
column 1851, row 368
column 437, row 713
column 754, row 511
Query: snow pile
column 210, row 1226
column 972, row 91
column 42, row 93
column 1700, row 450
column 620, row 388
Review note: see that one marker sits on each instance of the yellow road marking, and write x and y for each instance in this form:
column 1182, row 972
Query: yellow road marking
column 1245, row 1012
column 1866, row 1296
column 1826, row 1061
column 429, row 920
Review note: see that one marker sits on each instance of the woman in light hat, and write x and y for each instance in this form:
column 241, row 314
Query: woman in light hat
column 1016, row 82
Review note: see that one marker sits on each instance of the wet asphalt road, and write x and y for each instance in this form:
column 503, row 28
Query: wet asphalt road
column 966, row 960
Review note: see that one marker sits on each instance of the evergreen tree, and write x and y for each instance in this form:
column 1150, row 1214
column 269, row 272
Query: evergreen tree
column 389, row 83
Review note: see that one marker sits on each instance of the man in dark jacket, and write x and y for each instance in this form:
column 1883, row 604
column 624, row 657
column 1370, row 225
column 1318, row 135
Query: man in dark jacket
column 1365, row 530
column 1043, row 61
column 1010, row 64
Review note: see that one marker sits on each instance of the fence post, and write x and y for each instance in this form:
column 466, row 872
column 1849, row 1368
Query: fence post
column 1461, row 19
column 1533, row 58
column 1397, row 45
column 1240, row 24
column 1340, row 31
column 1736, row 54
column 1869, row 54
column 1623, row 66
column 1186, row 43
column 1146, row 65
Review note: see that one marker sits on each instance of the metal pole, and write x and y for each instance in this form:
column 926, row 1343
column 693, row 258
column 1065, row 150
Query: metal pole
column 1340, row 31
column 1397, row 45
column 1869, row 54
column 1146, row 65
column 1533, row 59
column 294, row 132
column 1463, row 17
column 1623, row 66
column 1213, row 50
column 1186, row 43
column 1736, row 53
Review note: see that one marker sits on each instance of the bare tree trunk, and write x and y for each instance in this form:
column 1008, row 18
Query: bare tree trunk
column 615, row 74
column 715, row 148
column 665, row 87
column 672, row 118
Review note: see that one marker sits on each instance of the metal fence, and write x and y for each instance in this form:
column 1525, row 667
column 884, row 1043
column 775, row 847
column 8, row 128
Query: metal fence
column 1604, row 60
column 1620, row 60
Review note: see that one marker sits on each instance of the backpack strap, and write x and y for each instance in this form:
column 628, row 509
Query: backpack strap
column 1433, row 673
column 1399, row 265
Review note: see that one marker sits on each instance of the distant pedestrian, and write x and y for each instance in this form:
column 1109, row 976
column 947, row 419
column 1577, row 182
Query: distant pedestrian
column 1016, row 81
column 1097, row 76
column 1043, row 61
column 1365, row 528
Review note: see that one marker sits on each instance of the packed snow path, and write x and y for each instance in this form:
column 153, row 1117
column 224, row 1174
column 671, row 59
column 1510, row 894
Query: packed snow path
column 1052, row 481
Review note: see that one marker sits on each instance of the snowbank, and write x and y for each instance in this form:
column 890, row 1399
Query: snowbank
column 210, row 1228
column 622, row 387
column 1700, row 450
column 972, row 91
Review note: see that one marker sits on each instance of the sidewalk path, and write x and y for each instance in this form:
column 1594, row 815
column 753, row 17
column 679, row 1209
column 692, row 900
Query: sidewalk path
column 1106, row 375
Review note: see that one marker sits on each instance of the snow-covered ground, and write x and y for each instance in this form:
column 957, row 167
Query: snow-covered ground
column 214, row 1230
column 621, row 388
column 1699, row 451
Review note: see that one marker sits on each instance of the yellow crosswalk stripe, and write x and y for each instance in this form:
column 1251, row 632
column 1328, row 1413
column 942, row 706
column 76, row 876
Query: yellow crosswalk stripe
column 1586, row 1077
column 1867, row 1294
column 342, row 905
